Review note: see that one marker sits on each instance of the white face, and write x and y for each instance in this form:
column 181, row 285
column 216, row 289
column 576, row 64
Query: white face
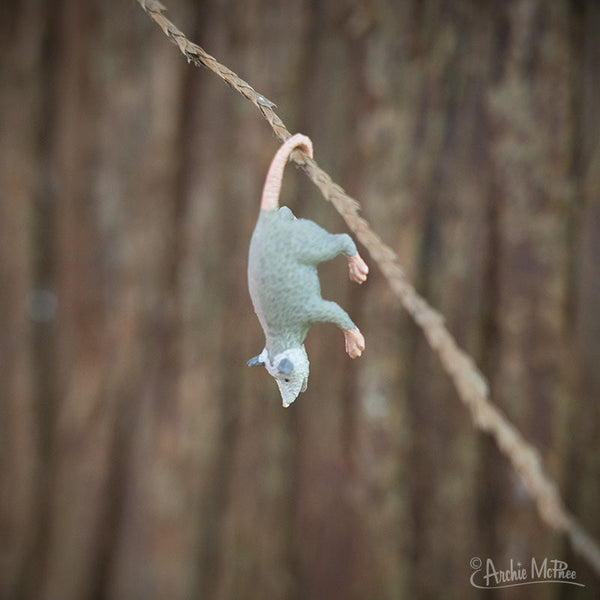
column 290, row 371
column 291, row 385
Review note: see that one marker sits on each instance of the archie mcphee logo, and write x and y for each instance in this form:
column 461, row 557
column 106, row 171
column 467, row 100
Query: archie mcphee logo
column 547, row 570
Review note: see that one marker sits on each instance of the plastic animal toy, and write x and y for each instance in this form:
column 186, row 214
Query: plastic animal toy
column 284, row 283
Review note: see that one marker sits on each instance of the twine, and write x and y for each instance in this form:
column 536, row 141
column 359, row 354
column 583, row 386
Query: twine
column 470, row 384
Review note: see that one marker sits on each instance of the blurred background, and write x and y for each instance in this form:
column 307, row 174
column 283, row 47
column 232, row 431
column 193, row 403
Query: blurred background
column 140, row 458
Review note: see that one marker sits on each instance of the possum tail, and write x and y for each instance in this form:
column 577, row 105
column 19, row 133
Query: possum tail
column 270, row 195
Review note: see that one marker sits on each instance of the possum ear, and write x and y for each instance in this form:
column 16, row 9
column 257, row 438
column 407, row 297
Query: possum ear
column 256, row 361
column 285, row 366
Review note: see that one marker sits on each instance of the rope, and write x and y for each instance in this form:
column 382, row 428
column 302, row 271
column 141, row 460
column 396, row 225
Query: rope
column 470, row 384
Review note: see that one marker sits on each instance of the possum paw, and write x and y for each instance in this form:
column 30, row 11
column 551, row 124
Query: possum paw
column 357, row 268
column 355, row 342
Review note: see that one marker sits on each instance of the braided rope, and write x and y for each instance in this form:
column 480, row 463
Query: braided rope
column 470, row 384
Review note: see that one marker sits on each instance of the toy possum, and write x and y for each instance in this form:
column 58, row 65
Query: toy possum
column 284, row 283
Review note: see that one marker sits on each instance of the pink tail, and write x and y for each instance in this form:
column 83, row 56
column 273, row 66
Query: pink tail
column 272, row 187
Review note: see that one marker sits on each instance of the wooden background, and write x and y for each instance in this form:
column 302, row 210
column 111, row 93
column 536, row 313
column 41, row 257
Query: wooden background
column 139, row 457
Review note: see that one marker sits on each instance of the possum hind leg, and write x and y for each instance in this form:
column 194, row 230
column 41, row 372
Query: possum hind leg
column 326, row 311
column 357, row 269
column 320, row 245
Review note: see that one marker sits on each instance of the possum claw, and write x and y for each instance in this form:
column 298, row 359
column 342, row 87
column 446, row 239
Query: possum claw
column 357, row 268
column 355, row 342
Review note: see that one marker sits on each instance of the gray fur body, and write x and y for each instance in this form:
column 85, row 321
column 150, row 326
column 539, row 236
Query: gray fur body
column 284, row 283
column 283, row 279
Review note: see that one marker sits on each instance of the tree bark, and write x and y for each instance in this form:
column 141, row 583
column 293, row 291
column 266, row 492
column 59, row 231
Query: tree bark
column 140, row 458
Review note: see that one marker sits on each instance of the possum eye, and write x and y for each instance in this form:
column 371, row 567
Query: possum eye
column 287, row 379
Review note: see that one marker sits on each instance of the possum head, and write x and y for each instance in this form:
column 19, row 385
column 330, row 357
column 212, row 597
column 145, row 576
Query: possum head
column 289, row 369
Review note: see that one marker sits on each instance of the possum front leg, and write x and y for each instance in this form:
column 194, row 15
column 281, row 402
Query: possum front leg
column 330, row 312
column 355, row 342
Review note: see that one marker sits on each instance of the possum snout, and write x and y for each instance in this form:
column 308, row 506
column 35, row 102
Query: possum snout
column 289, row 369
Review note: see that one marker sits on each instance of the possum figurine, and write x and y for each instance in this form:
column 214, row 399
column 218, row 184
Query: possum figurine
column 284, row 283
